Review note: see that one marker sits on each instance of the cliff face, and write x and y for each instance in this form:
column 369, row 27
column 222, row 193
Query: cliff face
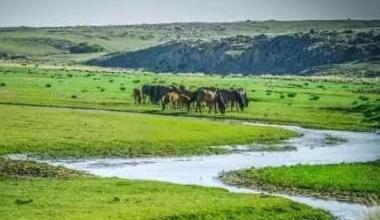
column 290, row 53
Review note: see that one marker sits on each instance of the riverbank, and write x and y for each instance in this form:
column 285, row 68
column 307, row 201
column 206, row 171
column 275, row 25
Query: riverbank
column 351, row 182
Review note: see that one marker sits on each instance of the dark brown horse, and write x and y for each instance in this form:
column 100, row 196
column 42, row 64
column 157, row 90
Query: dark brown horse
column 233, row 98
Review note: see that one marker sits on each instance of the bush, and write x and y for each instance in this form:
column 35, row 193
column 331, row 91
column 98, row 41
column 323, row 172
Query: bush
column 292, row 94
column 3, row 84
column 48, row 85
column 282, row 96
column 363, row 98
column 102, row 89
column 111, row 80
column 136, row 81
column 122, row 88
column 86, row 48
column 321, row 87
column 74, row 96
column 314, row 97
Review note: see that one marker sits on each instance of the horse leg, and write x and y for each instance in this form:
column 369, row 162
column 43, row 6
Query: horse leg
column 163, row 106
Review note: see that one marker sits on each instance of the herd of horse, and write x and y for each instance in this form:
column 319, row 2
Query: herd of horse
column 174, row 98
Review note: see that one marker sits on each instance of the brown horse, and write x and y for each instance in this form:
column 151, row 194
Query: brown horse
column 212, row 98
column 137, row 96
column 183, row 101
column 170, row 98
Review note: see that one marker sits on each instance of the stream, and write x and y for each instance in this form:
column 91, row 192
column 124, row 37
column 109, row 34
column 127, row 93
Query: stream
column 311, row 148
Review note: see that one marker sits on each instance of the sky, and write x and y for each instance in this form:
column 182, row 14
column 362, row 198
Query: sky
column 120, row 12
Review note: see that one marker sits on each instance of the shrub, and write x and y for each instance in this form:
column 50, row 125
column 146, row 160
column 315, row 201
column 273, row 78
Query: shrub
column 291, row 94
column 48, row 85
column 282, row 96
column 111, row 80
column 74, row 96
column 122, row 88
column 102, row 89
column 314, row 97
column 86, row 48
column 69, row 75
column 136, row 81
column 363, row 98
column 3, row 84
column 321, row 87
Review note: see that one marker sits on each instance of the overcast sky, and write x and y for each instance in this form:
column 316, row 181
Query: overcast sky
column 105, row 12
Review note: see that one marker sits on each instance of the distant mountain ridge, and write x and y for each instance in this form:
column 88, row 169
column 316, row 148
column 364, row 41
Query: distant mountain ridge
column 287, row 53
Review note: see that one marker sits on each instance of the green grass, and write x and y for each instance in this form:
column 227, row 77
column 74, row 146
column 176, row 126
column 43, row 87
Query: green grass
column 57, row 132
column 359, row 182
column 338, row 106
column 67, row 196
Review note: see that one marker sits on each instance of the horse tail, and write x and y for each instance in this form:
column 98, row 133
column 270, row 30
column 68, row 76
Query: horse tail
column 240, row 100
column 165, row 101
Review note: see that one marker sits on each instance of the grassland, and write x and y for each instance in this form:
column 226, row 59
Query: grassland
column 317, row 102
column 55, row 132
column 355, row 182
column 58, row 193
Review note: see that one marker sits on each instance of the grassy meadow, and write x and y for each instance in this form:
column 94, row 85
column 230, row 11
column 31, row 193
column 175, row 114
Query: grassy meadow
column 316, row 102
column 355, row 182
column 39, row 191
column 57, row 132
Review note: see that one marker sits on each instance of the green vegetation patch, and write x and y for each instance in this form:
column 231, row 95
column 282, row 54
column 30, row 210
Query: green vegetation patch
column 57, row 132
column 89, row 197
column 18, row 169
column 354, row 182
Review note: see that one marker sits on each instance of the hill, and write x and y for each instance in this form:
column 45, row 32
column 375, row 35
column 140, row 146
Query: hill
column 287, row 53
column 59, row 45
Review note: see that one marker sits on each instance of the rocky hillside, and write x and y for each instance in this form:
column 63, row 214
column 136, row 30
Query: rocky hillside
column 287, row 53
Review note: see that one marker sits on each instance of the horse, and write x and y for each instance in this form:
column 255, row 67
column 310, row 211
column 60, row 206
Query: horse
column 137, row 96
column 212, row 100
column 183, row 100
column 155, row 92
column 146, row 91
column 170, row 97
column 233, row 98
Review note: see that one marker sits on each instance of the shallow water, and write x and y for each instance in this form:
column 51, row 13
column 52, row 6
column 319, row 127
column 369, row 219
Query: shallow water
column 204, row 170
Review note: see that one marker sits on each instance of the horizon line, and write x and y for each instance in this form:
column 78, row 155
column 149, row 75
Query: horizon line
column 190, row 22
